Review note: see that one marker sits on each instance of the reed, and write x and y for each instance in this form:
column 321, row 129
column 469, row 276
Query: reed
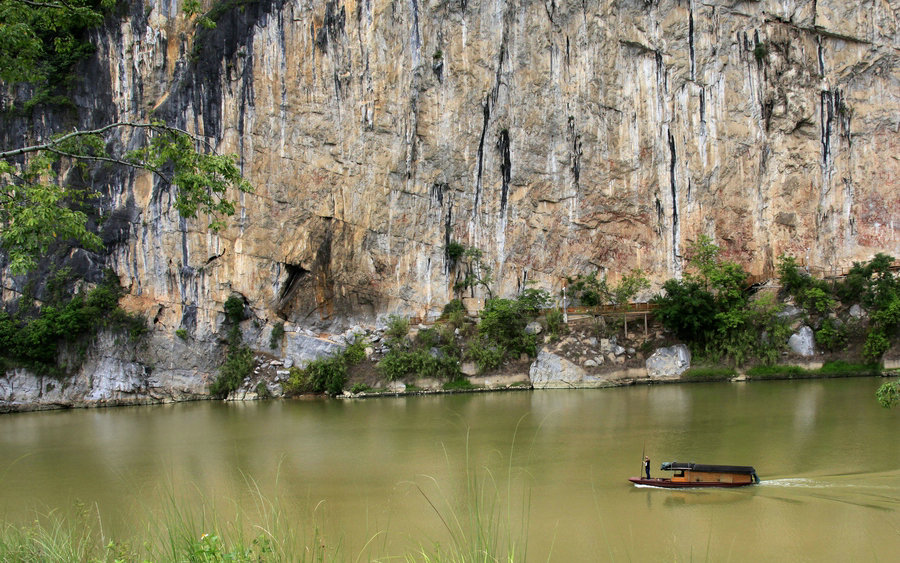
column 182, row 531
column 487, row 521
column 483, row 524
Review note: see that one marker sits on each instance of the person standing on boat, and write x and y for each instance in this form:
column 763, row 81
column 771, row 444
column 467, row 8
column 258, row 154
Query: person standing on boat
column 647, row 465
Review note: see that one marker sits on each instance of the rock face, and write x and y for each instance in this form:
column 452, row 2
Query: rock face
column 803, row 342
column 111, row 375
column 557, row 137
column 669, row 362
column 550, row 371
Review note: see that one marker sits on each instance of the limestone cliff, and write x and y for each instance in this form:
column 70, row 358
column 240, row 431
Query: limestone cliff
column 559, row 137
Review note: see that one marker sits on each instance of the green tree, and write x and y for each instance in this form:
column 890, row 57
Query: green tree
column 40, row 42
column 888, row 394
column 477, row 271
column 710, row 310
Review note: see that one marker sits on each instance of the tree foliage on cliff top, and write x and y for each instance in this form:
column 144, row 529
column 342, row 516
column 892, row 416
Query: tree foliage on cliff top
column 40, row 44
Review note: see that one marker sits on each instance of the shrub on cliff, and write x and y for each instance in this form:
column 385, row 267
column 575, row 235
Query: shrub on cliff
column 32, row 335
column 325, row 375
column 238, row 365
column 710, row 310
column 433, row 353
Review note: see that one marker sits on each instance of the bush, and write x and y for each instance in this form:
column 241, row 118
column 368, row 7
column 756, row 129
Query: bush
column 687, row 309
column 297, row 382
column 355, row 352
column 181, row 333
column 454, row 306
column 486, row 357
column 588, row 289
column 555, row 323
column 238, row 365
column 877, row 343
column 276, row 336
column 841, row 367
column 428, row 338
column 792, row 280
column 32, row 336
column 327, row 375
column 532, row 301
column 234, row 309
column 399, row 363
column 888, row 394
column 459, row 384
column 831, row 336
column 708, row 374
column 323, row 375
column 455, row 251
column 360, row 388
column 398, row 328
column 503, row 325
column 761, row 52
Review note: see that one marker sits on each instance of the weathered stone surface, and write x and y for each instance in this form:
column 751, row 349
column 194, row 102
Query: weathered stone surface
column 669, row 362
column 550, row 371
column 533, row 327
column 109, row 375
column 803, row 342
column 469, row 368
column 857, row 312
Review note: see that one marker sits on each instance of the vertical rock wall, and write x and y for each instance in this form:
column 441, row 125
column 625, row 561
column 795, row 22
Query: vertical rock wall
column 559, row 137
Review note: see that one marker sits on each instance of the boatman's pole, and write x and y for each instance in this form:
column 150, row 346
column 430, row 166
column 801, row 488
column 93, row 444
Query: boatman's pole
column 643, row 448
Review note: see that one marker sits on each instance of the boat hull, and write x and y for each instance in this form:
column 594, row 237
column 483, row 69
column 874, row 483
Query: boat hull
column 670, row 484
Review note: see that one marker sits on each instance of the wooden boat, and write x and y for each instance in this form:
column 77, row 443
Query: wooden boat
column 699, row 475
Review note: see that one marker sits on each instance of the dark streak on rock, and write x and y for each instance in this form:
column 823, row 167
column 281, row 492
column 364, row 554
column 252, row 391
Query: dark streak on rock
column 691, row 39
column 674, row 195
column 505, row 168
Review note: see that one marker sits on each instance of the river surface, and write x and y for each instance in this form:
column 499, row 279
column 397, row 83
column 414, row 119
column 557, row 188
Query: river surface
column 550, row 466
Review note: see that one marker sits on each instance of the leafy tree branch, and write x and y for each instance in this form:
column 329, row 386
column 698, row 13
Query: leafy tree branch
column 36, row 209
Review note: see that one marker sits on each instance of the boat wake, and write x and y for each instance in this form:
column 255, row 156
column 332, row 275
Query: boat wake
column 803, row 483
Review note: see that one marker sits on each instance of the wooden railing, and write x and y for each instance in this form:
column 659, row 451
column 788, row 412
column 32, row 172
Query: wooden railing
column 612, row 309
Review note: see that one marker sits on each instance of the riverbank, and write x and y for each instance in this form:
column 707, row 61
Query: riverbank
column 449, row 356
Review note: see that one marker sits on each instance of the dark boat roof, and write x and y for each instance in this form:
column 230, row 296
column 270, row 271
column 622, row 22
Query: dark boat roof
column 678, row 466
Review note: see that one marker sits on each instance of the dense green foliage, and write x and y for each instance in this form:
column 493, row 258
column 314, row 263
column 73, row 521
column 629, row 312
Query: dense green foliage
column 40, row 42
column 432, row 353
column 325, row 375
column 873, row 285
column 503, row 323
column 239, row 363
column 455, row 251
column 888, row 395
column 710, row 310
column 239, row 358
column 31, row 336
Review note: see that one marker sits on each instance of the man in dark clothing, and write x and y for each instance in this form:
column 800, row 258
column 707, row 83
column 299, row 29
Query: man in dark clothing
column 647, row 466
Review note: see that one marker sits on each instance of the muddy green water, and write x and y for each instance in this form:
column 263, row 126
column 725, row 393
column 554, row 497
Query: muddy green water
column 828, row 455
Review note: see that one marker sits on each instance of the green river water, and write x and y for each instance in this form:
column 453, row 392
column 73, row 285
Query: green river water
column 555, row 463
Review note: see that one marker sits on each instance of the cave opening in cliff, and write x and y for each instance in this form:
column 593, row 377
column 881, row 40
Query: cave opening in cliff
column 295, row 274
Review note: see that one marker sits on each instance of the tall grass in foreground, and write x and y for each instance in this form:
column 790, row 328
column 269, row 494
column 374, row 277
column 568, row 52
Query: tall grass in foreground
column 482, row 521
column 182, row 531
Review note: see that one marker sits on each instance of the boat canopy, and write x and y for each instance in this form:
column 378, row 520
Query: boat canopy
column 680, row 466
